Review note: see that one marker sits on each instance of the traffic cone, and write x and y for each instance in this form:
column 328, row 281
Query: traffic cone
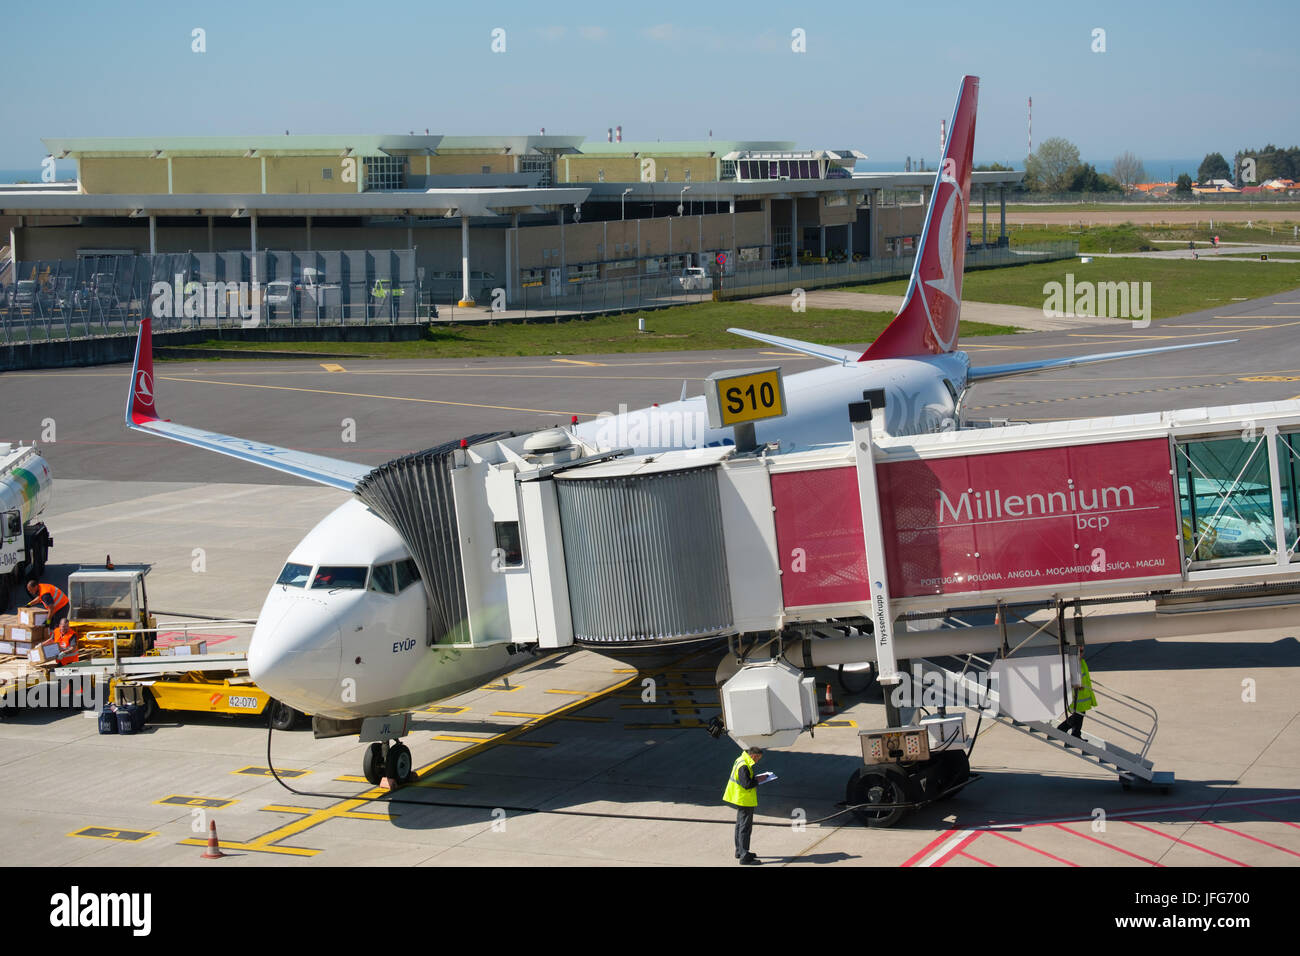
column 213, row 852
column 828, row 705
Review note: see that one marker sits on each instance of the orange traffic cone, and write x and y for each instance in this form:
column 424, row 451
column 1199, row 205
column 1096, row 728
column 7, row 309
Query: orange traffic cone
column 213, row 852
column 828, row 705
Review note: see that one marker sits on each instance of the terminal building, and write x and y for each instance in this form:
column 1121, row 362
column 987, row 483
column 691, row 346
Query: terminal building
column 479, row 212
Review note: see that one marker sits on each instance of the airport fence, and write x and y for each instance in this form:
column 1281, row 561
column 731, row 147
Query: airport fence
column 108, row 295
column 744, row 280
column 69, row 299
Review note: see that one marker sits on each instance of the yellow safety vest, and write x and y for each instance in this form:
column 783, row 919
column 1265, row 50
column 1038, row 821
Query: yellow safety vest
column 735, row 794
column 1084, row 699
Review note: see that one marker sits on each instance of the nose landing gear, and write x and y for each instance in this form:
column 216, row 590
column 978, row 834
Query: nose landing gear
column 387, row 759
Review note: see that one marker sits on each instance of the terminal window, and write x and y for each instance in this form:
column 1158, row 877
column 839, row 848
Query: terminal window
column 385, row 172
column 327, row 173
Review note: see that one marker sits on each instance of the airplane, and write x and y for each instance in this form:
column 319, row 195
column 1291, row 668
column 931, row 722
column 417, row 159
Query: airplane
column 342, row 631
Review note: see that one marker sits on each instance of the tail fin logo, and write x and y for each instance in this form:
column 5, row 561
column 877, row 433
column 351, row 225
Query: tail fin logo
column 946, row 284
column 144, row 389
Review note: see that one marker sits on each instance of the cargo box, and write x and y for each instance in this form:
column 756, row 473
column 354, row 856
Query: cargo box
column 33, row 616
column 188, row 648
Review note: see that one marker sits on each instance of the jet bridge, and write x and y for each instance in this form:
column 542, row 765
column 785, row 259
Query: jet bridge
column 1175, row 523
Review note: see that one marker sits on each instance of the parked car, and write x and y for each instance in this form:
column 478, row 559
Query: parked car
column 28, row 296
column 279, row 294
column 694, row 279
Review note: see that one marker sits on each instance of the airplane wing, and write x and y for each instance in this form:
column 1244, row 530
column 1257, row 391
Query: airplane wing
column 990, row 372
column 827, row 352
column 142, row 416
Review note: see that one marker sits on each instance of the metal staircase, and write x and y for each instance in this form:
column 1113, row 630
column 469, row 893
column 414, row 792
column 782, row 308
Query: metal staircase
column 1132, row 768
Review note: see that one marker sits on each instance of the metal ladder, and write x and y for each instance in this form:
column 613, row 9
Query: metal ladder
column 1141, row 726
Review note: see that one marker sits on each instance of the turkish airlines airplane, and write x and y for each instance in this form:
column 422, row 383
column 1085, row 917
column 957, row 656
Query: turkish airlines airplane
column 342, row 633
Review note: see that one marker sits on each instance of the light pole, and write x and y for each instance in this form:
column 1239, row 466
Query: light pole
column 622, row 203
column 681, row 200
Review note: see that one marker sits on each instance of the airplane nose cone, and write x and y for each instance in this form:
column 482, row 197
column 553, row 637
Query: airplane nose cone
column 295, row 656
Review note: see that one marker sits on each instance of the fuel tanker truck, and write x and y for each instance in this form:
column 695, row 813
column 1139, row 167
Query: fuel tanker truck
column 25, row 485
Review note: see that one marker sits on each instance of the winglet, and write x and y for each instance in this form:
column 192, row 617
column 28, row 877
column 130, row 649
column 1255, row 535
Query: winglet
column 929, row 321
column 140, row 407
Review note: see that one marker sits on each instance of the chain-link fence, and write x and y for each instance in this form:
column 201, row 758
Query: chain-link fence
column 107, row 295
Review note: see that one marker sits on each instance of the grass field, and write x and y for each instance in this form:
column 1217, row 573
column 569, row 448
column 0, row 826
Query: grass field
column 1177, row 286
column 1128, row 237
column 1147, row 207
column 680, row 328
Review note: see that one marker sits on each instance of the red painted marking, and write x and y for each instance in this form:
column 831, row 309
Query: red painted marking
column 1144, row 811
column 1278, row 819
column 213, row 699
column 970, row 856
column 1186, row 843
column 1219, row 826
column 1034, row 848
column 957, row 849
column 927, row 849
column 1104, row 843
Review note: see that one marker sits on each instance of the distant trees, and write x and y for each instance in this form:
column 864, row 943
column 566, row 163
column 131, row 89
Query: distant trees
column 1050, row 167
column 1084, row 178
column 1128, row 170
column 993, row 168
column 1183, row 185
column 1213, row 166
column 1271, row 162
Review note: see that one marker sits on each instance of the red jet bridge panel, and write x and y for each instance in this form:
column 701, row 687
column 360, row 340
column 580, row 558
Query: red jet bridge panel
column 990, row 522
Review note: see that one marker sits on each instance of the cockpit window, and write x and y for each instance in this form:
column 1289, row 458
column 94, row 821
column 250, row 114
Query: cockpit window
column 407, row 573
column 295, row 575
column 334, row 578
column 381, row 579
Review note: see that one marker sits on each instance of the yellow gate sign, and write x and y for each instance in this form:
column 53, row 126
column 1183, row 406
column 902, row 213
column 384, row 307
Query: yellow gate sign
column 740, row 396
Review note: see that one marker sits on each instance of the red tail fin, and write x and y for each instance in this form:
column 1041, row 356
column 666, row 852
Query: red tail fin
column 140, row 407
column 929, row 321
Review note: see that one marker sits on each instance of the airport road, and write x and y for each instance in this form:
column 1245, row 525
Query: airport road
column 584, row 768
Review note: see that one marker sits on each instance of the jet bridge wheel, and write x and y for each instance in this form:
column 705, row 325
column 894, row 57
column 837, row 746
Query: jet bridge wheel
column 881, row 783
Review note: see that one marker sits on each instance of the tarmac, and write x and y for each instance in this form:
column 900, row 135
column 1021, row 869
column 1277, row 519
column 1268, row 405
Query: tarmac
column 576, row 759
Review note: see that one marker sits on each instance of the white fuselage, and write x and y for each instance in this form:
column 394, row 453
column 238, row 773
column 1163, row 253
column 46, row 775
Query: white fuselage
column 343, row 638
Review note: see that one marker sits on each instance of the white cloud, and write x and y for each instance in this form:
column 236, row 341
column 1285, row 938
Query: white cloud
column 663, row 32
column 594, row 34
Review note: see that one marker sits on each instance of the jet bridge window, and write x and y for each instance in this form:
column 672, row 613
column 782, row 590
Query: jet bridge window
column 295, row 575
column 1288, row 466
column 339, row 578
column 1226, row 500
column 509, row 550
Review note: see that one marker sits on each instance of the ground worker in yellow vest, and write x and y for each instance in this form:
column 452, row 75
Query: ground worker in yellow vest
column 1084, row 701
column 742, row 793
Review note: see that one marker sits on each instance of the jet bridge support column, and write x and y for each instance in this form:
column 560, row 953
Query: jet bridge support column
column 882, row 618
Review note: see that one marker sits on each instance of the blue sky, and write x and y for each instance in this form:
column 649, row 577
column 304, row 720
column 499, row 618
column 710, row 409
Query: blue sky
column 1176, row 80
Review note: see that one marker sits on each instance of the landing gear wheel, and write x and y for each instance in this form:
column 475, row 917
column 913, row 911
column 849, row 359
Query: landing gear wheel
column 372, row 764
column 883, row 783
column 283, row 717
column 399, row 763
column 857, row 681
